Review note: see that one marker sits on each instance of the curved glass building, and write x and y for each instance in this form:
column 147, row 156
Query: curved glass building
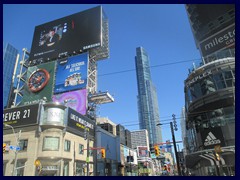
column 210, row 92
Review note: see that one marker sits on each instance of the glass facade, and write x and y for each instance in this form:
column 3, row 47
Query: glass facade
column 210, row 92
column 9, row 59
column 147, row 98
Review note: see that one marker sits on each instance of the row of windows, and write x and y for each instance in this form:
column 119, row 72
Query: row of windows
column 211, row 84
column 222, row 117
column 52, row 144
column 216, row 118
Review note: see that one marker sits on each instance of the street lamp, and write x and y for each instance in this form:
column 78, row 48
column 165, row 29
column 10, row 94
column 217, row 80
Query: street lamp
column 174, row 145
column 17, row 144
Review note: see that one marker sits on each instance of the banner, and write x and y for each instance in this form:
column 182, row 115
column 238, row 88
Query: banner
column 21, row 116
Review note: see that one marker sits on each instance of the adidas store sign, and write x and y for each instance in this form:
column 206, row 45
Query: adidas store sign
column 211, row 140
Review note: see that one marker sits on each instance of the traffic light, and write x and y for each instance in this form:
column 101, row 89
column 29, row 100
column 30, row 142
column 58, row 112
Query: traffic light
column 38, row 165
column 103, row 153
column 217, row 157
column 156, row 150
column 4, row 147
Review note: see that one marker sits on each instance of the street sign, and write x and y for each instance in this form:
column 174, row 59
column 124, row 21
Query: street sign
column 17, row 148
column 165, row 146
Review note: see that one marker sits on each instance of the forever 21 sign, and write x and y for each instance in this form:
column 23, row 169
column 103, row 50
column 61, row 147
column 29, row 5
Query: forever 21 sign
column 21, row 116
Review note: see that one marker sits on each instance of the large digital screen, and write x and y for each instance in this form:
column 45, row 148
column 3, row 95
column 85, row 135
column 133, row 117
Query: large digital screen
column 39, row 84
column 77, row 32
column 76, row 100
column 71, row 73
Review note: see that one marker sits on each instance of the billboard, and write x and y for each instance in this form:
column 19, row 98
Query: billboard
column 219, row 41
column 39, row 83
column 21, row 116
column 77, row 32
column 80, row 122
column 71, row 73
column 142, row 151
column 76, row 100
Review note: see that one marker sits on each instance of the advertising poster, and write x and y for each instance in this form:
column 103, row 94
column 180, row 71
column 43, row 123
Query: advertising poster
column 142, row 151
column 71, row 73
column 76, row 100
column 79, row 31
column 39, row 83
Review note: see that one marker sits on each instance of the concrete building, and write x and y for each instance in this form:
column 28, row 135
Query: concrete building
column 139, row 138
column 50, row 133
column 109, row 125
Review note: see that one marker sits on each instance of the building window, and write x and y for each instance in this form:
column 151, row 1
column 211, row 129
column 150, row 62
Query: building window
column 23, row 144
column 81, row 147
column 67, row 145
column 20, row 171
column 90, row 152
column 66, row 169
column 79, row 169
column 51, row 144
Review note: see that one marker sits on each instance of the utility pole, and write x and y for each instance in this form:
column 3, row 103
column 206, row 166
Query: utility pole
column 17, row 145
column 16, row 153
column 175, row 149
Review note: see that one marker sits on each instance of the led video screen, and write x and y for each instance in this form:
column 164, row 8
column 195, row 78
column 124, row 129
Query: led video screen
column 77, row 32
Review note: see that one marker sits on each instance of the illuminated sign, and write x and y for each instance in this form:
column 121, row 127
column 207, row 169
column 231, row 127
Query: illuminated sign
column 80, row 122
column 73, row 33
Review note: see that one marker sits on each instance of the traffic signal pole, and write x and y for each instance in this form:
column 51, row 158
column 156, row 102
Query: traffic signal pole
column 175, row 149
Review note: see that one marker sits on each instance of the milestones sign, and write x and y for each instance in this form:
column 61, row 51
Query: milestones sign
column 219, row 41
column 21, row 116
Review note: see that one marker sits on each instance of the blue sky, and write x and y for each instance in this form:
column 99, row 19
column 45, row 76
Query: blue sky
column 162, row 29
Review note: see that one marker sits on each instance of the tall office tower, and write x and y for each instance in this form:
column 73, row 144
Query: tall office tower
column 148, row 111
column 10, row 57
column 210, row 92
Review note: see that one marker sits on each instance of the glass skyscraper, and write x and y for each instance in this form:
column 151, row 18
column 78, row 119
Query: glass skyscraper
column 9, row 59
column 148, row 111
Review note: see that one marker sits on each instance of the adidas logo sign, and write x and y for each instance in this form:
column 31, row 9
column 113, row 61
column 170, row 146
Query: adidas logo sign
column 211, row 140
